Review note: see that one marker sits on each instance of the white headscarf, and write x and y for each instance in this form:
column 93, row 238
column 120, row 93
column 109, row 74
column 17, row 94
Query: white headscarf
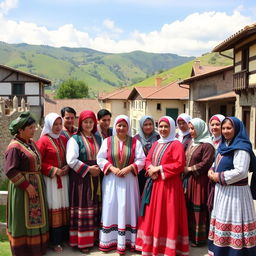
column 48, row 124
column 186, row 118
column 172, row 133
column 122, row 117
column 214, row 117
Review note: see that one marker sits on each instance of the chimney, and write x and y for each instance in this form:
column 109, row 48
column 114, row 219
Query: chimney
column 196, row 64
column 158, row 81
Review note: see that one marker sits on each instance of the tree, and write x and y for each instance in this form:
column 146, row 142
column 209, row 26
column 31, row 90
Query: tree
column 72, row 89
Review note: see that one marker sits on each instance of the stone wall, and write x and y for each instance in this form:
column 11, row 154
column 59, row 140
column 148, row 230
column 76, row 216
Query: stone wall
column 9, row 112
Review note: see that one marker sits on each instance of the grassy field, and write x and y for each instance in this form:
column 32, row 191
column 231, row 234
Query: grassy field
column 5, row 247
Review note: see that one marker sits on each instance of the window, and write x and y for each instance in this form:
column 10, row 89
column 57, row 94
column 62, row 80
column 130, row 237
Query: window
column 245, row 58
column 18, row 89
column 125, row 104
column 158, row 106
column 246, row 118
column 223, row 110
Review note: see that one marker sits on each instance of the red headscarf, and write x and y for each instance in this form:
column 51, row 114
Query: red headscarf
column 84, row 115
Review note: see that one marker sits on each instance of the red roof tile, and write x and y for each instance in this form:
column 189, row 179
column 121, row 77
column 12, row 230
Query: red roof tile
column 119, row 94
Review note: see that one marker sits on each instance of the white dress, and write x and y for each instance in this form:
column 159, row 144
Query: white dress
column 121, row 202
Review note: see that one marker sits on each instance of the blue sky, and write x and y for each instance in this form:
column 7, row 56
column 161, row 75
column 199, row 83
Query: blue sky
column 185, row 27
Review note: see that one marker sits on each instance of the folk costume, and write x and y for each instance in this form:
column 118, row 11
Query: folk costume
column 233, row 219
column 199, row 159
column 163, row 228
column 27, row 219
column 146, row 142
column 53, row 150
column 120, row 207
column 216, row 140
column 102, row 134
column 183, row 137
column 68, row 133
column 85, row 190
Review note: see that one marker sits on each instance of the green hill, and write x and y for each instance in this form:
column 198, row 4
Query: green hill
column 101, row 71
column 184, row 70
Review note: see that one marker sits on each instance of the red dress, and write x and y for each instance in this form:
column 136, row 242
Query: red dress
column 163, row 230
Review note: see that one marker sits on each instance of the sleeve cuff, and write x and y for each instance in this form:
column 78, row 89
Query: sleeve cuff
column 162, row 172
column 222, row 178
column 106, row 168
column 24, row 185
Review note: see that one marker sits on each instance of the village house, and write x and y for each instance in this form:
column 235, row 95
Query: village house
column 25, row 86
column 116, row 102
column 55, row 105
column 157, row 101
column 210, row 91
column 243, row 44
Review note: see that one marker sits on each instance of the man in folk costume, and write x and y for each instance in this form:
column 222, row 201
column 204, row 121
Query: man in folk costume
column 69, row 115
column 104, row 119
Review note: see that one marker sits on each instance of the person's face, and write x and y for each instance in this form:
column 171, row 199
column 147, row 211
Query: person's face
column 192, row 130
column 87, row 125
column 57, row 126
column 228, row 130
column 122, row 129
column 183, row 126
column 28, row 132
column 215, row 127
column 148, row 127
column 104, row 122
column 164, row 129
column 69, row 119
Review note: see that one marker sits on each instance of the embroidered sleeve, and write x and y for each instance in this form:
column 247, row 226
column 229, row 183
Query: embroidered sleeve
column 72, row 158
column 139, row 161
column 241, row 162
column 12, row 168
column 102, row 161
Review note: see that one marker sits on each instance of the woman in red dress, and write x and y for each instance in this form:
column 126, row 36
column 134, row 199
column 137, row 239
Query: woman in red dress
column 163, row 228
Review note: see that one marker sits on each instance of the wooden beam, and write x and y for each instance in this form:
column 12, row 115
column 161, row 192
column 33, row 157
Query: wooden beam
column 8, row 76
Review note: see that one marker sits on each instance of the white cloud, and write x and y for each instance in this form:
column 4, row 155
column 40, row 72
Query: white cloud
column 7, row 5
column 196, row 34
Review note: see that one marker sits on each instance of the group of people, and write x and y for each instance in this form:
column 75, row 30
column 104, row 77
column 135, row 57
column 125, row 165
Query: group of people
column 157, row 192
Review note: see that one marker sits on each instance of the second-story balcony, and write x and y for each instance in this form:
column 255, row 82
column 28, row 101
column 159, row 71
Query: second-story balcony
column 240, row 81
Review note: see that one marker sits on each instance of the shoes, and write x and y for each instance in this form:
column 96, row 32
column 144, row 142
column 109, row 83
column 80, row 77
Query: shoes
column 58, row 248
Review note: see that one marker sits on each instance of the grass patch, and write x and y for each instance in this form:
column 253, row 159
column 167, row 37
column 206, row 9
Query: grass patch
column 5, row 248
column 4, row 185
column 2, row 213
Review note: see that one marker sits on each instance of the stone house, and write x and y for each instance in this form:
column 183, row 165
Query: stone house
column 210, row 91
column 30, row 87
column 243, row 44
column 157, row 101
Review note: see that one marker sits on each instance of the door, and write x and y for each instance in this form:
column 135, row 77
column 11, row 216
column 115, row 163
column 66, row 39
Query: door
column 172, row 112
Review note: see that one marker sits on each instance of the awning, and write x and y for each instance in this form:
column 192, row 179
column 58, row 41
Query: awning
column 227, row 95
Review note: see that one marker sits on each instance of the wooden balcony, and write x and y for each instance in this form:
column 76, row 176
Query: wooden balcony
column 240, row 80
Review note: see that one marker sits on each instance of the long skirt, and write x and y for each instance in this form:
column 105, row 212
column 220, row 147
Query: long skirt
column 120, row 211
column 198, row 214
column 27, row 219
column 163, row 230
column 58, row 204
column 85, row 210
column 233, row 222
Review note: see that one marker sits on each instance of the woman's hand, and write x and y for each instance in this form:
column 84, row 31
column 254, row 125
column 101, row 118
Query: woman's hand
column 59, row 172
column 114, row 170
column 154, row 176
column 153, row 170
column 125, row 171
column 65, row 170
column 94, row 170
column 31, row 191
column 213, row 175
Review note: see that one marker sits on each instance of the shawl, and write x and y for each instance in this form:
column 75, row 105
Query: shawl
column 219, row 118
column 118, row 120
column 186, row 118
column 48, row 124
column 172, row 134
column 203, row 135
column 84, row 115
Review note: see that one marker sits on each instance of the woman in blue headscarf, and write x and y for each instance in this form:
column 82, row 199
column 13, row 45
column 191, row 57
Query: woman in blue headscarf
column 233, row 219
column 147, row 136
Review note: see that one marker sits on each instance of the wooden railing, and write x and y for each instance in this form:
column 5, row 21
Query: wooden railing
column 240, row 80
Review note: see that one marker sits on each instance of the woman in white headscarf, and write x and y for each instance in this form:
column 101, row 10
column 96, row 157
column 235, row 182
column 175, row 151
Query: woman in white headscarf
column 120, row 158
column 52, row 147
column 199, row 159
column 183, row 134
column 215, row 129
column 163, row 228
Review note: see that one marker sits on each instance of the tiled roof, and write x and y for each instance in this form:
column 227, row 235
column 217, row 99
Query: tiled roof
column 226, row 95
column 45, row 81
column 205, row 69
column 55, row 105
column 119, row 94
column 235, row 38
column 204, row 75
column 167, row 92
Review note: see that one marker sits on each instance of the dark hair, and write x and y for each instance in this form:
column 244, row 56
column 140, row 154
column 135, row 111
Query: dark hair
column 30, row 121
column 67, row 109
column 226, row 120
column 103, row 112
